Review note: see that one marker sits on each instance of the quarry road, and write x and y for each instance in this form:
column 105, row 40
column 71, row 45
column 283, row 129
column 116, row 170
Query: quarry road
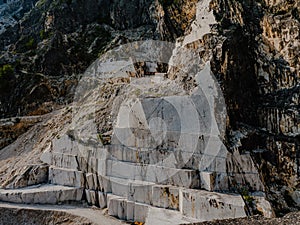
column 57, row 214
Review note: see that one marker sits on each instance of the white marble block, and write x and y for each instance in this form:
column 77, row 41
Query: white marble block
column 91, row 181
column 209, row 206
column 104, row 184
column 140, row 212
column 208, row 180
column 117, row 207
column 45, row 194
column 66, row 177
column 165, row 196
column 153, row 173
column 140, row 191
column 91, row 196
column 102, row 198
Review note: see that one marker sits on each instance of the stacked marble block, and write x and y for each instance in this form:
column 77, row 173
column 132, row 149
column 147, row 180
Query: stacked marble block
column 41, row 194
column 76, row 165
column 134, row 199
column 141, row 179
column 206, row 171
column 129, row 182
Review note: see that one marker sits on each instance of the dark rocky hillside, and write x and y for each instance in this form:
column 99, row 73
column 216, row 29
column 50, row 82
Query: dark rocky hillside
column 253, row 49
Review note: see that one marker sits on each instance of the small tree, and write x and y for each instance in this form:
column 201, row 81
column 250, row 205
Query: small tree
column 6, row 71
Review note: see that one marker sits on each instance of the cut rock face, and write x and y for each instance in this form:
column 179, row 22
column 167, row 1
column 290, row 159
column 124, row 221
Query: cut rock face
column 164, row 145
column 31, row 175
column 46, row 194
column 157, row 146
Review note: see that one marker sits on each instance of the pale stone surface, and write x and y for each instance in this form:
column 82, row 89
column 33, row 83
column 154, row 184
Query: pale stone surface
column 112, row 204
column 117, row 206
column 119, row 186
column 157, row 151
column 91, row 196
column 126, row 210
column 296, row 197
column 140, row 192
column 91, row 181
column 208, row 206
column 102, row 197
column 140, row 212
column 208, row 180
column 264, row 206
column 66, row 177
column 153, row 173
column 133, row 190
column 130, row 210
column 165, row 196
column 201, row 25
column 159, row 216
column 101, row 166
column 30, row 175
column 65, row 145
column 60, row 160
column 104, row 184
column 45, row 194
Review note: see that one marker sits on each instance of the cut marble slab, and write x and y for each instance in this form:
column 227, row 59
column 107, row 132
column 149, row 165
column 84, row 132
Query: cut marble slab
column 159, row 216
column 45, row 194
column 61, row 160
column 66, row 177
column 91, row 196
column 165, row 196
column 126, row 210
column 209, row 206
column 133, row 190
column 152, row 173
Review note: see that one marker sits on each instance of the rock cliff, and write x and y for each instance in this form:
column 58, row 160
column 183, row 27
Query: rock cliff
column 214, row 104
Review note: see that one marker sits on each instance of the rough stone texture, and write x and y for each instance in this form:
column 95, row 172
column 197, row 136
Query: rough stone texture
column 66, row 177
column 91, row 197
column 252, row 47
column 9, row 216
column 27, row 149
column 165, row 197
column 215, row 205
column 31, row 175
column 46, row 194
column 152, row 173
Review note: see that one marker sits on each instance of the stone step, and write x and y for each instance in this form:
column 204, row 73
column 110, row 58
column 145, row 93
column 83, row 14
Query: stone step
column 208, row 206
column 172, row 157
column 163, row 196
column 85, row 164
column 66, row 177
column 61, row 160
column 131, row 211
column 201, row 158
column 96, row 198
column 166, row 196
column 68, row 145
column 126, row 210
column 153, row 173
column 45, row 194
column 133, row 190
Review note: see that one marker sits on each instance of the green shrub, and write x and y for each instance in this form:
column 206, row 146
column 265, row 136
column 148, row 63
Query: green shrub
column 6, row 71
column 30, row 43
column 43, row 34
